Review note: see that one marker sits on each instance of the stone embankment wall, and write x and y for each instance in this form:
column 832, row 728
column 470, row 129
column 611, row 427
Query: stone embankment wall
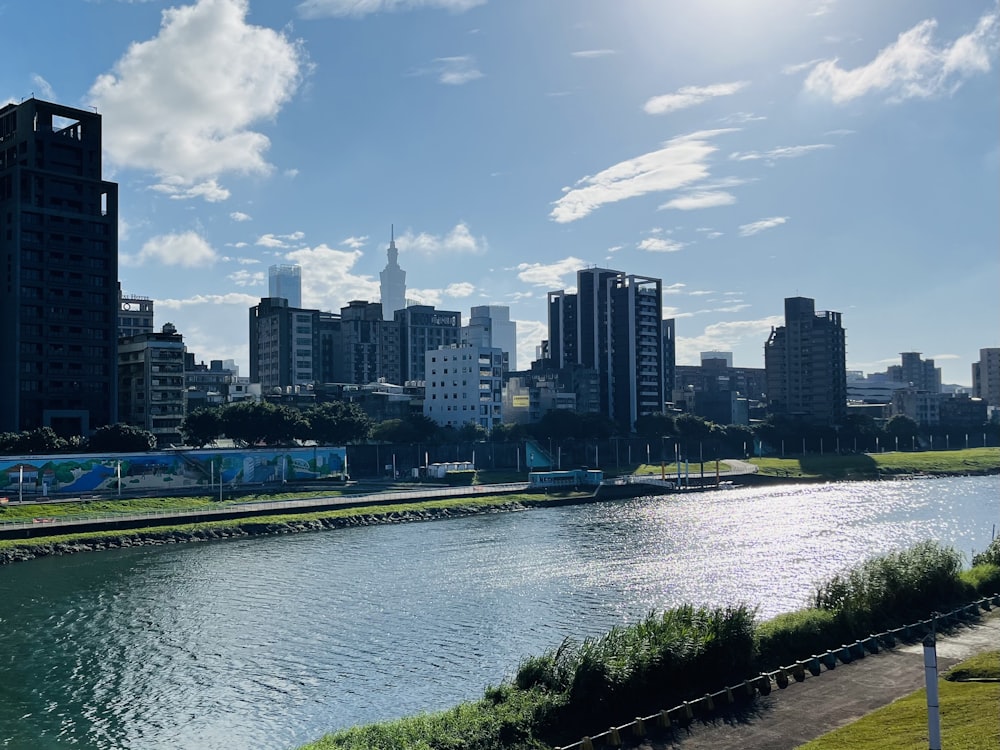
column 152, row 537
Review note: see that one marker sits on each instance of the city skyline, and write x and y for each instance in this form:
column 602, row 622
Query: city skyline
column 830, row 150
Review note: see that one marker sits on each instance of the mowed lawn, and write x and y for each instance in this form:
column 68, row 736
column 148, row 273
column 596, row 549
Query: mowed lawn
column 865, row 465
column 970, row 716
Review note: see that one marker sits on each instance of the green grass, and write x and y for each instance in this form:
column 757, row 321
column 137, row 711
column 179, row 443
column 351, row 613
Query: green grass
column 981, row 666
column 970, row 718
column 671, row 469
column 871, row 466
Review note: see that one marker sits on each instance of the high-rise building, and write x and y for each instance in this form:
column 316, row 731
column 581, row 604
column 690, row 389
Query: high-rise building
column 915, row 372
column 59, row 257
column 392, row 282
column 986, row 376
column 613, row 325
column 290, row 346
column 805, row 363
column 422, row 328
column 490, row 325
column 669, row 358
column 285, row 282
column 367, row 351
column 151, row 385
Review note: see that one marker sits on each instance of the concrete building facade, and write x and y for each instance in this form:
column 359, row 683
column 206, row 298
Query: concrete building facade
column 151, row 383
column 59, row 260
column 464, row 384
column 421, row 329
column 986, row 376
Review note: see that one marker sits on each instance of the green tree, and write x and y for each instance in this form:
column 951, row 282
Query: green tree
column 902, row 427
column 338, row 423
column 121, row 438
column 202, row 427
column 415, row 428
column 470, row 432
column 39, row 440
column 655, row 426
column 558, row 424
column 249, row 423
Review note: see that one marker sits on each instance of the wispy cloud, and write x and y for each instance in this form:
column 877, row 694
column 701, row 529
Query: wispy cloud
column 913, row 66
column 455, row 71
column 359, row 8
column 682, row 161
column 690, row 96
column 233, row 298
column 239, row 216
column 659, row 245
column 785, row 152
column 591, row 53
column 458, row 240
column 243, row 277
column 44, row 87
column 355, row 242
column 461, row 289
column 279, row 240
column 701, row 199
column 549, row 275
column 746, row 230
column 178, row 189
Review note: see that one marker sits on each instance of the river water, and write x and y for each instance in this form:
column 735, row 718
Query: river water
column 272, row 641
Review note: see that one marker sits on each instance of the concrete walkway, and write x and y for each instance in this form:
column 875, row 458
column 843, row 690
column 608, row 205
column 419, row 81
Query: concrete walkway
column 804, row 711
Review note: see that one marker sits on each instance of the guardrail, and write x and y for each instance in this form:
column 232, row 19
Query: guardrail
column 684, row 713
column 379, row 498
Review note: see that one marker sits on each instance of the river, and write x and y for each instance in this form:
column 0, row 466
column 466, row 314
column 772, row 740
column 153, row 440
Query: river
column 269, row 642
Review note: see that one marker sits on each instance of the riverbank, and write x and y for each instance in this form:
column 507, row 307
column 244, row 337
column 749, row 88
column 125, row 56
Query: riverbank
column 247, row 521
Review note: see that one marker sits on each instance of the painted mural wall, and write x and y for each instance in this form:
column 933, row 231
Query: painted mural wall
column 73, row 474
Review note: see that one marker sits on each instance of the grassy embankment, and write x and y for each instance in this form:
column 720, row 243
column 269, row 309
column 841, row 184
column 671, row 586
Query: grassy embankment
column 580, row 688
column 970, row 714
column 880, row 465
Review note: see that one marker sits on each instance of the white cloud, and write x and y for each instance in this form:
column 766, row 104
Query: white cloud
column 461, row 289
column 247, row 278
column 913, row 65
column 239, row 216
column 592, row 53
column 354, row 242
column 752, row 228
column 177, row 189
column 677, row 288
column 701, row 292
column 457, row 70
column 327, row 281
column 725, row 336
column 185, row 249
column 234, row 298
column 660, row 245
column 790, row 70
column 458, row 240
column 784, row 152
column 279, row 240
column 701, row 199
column 182, row 103
column 530, row 334
column 44, row 87
column 690, row 96
column 549, row 275
column 682, row 161
column 358, row 8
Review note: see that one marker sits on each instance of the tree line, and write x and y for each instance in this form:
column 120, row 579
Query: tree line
column 249, row 423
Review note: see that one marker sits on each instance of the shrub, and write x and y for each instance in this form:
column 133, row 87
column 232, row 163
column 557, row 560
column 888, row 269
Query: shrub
column 991, row 555
column 897, row 587
column 983, row 579
column 459, row 478
column 796, row 635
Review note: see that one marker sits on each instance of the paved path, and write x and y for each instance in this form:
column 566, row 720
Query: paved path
column 804, row 711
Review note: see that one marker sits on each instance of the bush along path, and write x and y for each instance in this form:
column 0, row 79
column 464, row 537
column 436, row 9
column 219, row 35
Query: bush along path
column 587, row 694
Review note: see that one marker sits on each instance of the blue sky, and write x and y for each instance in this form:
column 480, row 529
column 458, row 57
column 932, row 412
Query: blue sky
column 845, row 150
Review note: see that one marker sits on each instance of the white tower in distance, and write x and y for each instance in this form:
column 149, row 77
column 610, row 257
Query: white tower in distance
column 392, row 287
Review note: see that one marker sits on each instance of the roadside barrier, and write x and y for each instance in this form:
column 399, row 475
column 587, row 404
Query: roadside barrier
column 684, row 713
